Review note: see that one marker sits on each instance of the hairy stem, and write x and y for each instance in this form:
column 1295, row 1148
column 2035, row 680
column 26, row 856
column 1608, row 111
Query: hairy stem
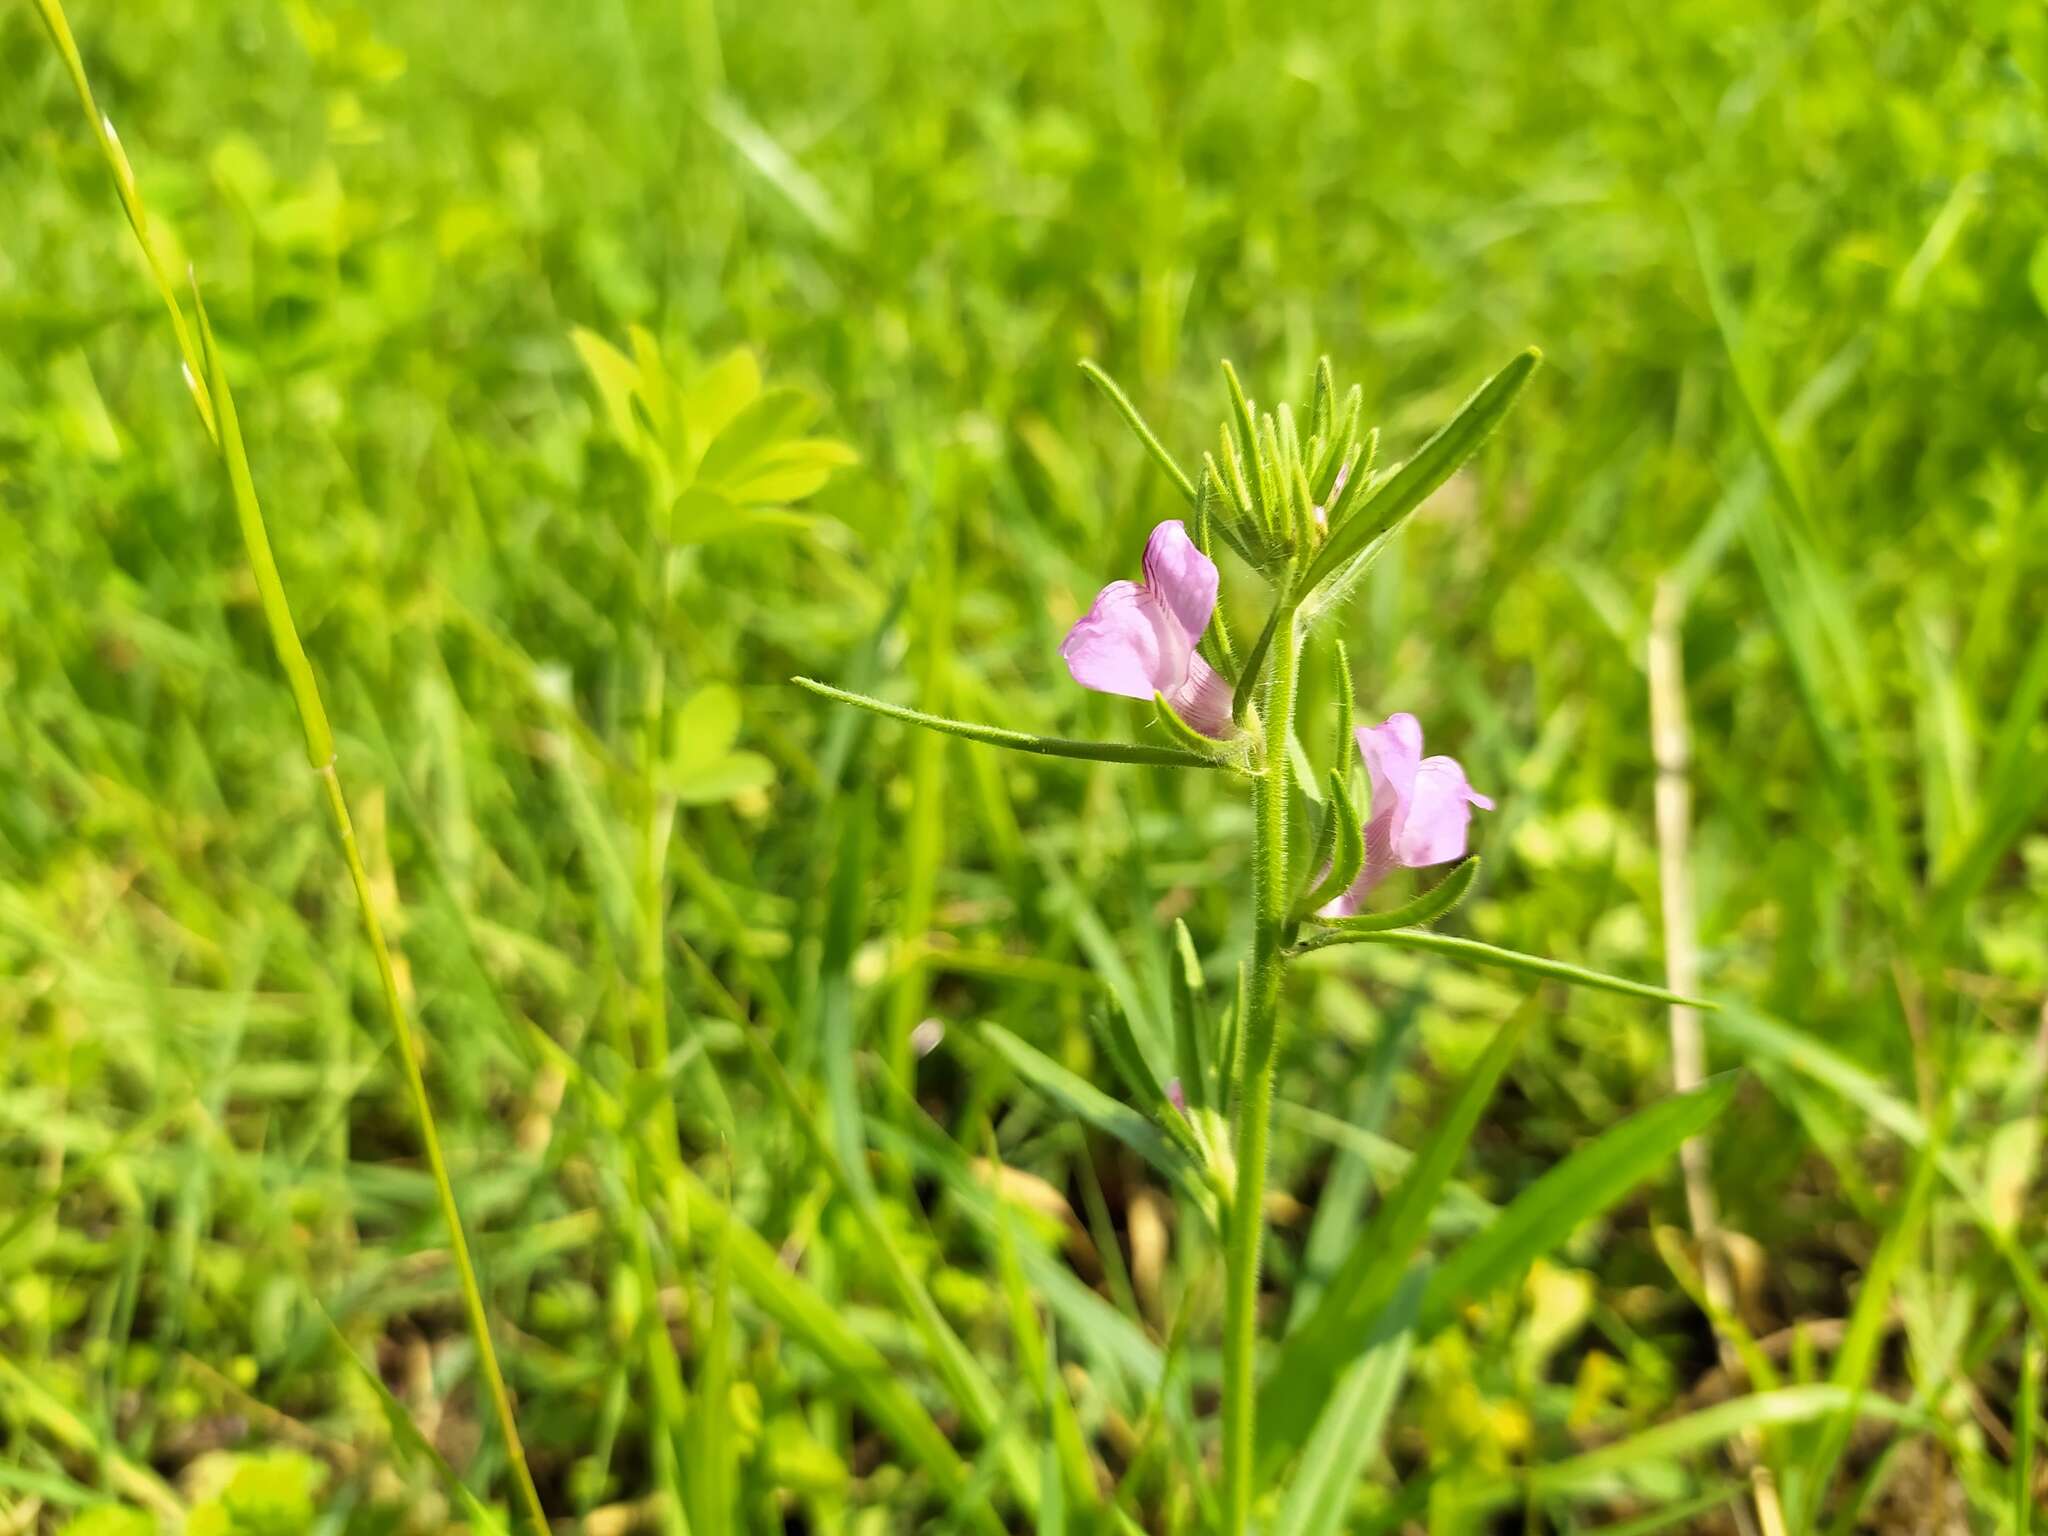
column 1271, row 793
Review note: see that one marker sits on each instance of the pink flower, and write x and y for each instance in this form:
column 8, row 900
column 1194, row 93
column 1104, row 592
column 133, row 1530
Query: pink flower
column 1139, row 638
column 1421, row 807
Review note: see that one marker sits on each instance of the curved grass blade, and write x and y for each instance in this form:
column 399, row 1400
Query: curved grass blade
column 1079, row 1097
column 2023, row 1451
column 1129, row 412
column 1121, row 1353
column 1476, row 953
column 1348, row 1434
column 1582, row 1186
column 208, row 383
column 1808, row 1057
column 1426, row 908
column 1016, row 741
column 1066, row 1463
column 406, row 1435
column 1434, row 463
column 857, row 1367
column 1856, row 1362
column 1596, row 1471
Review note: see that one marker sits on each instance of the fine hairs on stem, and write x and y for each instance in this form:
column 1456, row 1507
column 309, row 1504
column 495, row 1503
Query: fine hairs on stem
column 1244, row 1240
column 206, row 378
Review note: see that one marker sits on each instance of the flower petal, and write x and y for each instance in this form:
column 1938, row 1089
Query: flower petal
column 1128, row 644
column 1438, row 812
column 1203, row 700
column 1392, row 751
column 1182, row 576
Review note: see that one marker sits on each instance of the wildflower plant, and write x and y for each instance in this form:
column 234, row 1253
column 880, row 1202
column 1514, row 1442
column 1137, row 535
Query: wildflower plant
column 1296, row 496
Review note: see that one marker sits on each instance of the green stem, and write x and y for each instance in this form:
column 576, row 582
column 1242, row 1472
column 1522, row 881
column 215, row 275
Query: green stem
column 656, row 809
column 1255, row 1086
column 206, row 378
column 430, row 1141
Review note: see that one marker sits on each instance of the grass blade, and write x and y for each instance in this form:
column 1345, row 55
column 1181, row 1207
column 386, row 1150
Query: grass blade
column 1809, row 1058
column 2023, row 1451
column 1582, row 1186
column 1300, row 1380
column 217, row 411
column 1597, row 1472
column 858, row 1368
column 1079, row 1097
column 1348, row 1434
column 1856, row 1362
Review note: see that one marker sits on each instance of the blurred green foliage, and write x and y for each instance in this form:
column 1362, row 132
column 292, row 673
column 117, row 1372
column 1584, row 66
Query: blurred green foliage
column 1789, row 270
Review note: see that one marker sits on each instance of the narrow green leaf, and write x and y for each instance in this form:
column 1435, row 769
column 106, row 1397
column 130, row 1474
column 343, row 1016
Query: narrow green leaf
column 1117, row 1346
column 1190, row 1025
column 1426, row 908
column 2029, row 1414
column 1066, row 1450
column 1247, row 423
column 1129, row 412
column 1346, row 496
column 1807, row 1056
column 710, row 1489
column 1346, row 853
column 1081, row 1098
column 406, row 1434
column 1856, row 1362
column 1128, row 1057
column 1476, row 953
column 1597, row 1471
column 1323, row 412
column 857, row 1367
column 1320, row 855
column 1682, row 1515
column 1192, row 740
column 1346, row 752
column 1255, row 666
column 277, row 612
column 1347, row 1436
column 1015, row 741
column 1577, row 1189
column 1434, row 463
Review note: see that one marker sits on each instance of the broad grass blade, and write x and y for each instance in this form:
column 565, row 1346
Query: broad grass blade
column 1347, row 1436
column 1300, row 1381
column 1577, row 1189
column 1079, row 1097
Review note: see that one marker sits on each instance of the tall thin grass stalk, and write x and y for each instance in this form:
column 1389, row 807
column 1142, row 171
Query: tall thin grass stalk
column 1671, row 748
column 206, row 378
column 1260, row 1032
